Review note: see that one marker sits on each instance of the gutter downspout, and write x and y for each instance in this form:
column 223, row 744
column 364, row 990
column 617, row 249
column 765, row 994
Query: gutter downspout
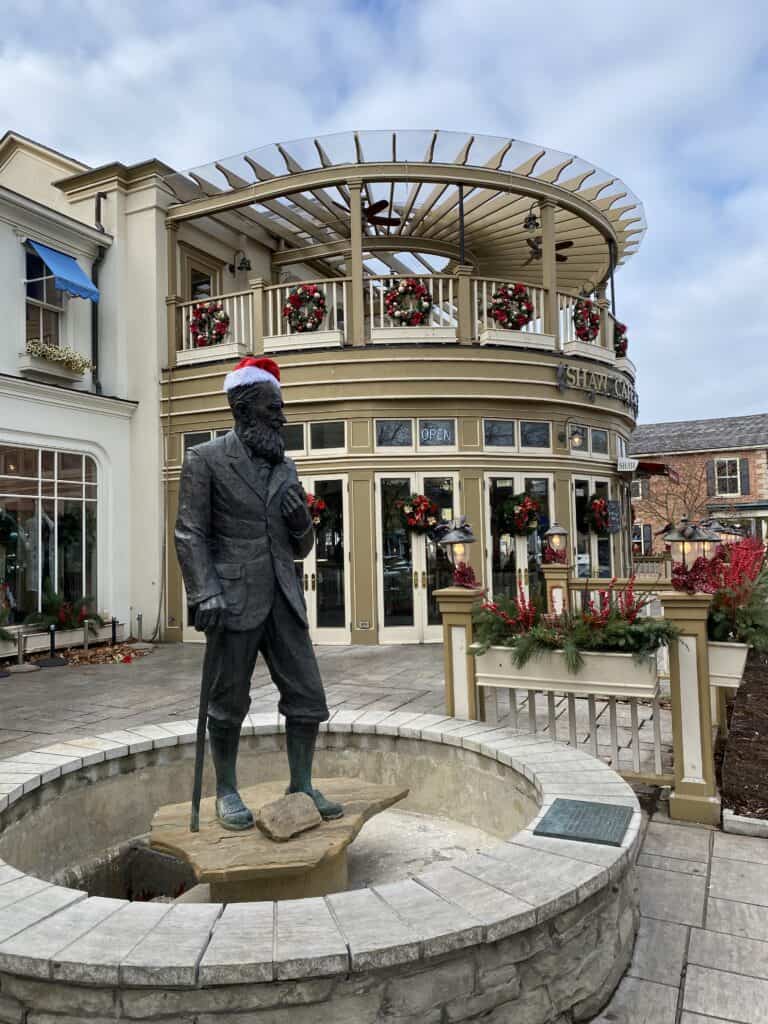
column 100, row 253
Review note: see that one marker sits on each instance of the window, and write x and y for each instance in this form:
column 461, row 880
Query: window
column 293, row 436
column 196, row 437
column 640, row 488
column 642, row 539
column 200, row 284
column 499, row 433
column 394, row 433
column 534, row 435
column 437, row 433
column 599, row 441
column 325, row 436
column 45, row 303
column 621, row 446
column 727, row 476
column 48, row 528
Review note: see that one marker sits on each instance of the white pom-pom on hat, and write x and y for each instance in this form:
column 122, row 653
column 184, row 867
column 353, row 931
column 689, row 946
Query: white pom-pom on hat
column 253, row 371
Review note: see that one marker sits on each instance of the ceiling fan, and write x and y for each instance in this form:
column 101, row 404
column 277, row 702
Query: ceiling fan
column 536, row 251
column 372, row 214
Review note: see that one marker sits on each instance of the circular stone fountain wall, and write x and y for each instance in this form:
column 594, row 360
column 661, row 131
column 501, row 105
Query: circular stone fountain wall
column 533, row 927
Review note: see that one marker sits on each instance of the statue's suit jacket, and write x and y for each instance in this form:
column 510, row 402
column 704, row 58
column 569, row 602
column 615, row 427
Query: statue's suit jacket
column 231, row 537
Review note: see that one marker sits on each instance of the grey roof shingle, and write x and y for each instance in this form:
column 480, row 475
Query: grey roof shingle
column 729, row 433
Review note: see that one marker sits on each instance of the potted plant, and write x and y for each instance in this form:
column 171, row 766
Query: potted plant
column 737, row 578
column 607, row 648
column 65, row 615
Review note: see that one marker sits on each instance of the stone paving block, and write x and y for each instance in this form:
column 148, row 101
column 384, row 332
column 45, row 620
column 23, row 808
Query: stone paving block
column 737, row 919
column 135, row 743
column 677, row 841
column 739, row 880
column 659, row 952
column 695, row 1018
column 685, row 867
column 308, row 941
column 729, row 953
column 36, row 906
column 412, row 729
column 241, row 947
column 500, row 913
column 722, row 994
column 110, row 750
column 31, row 951
column 160, row 736
column 731, row 847
column 671, row 896
column 47, row 772
column 8, row 873
column 376, row 937
column 263, row 723
column 640, row 1002
column 590, row 853
column 86, row 755
column 19, row 888
column 94, row 958
column 370, row 721
column 441, row 926
column 13, row 791
column 169, row 954
column 11, row 1010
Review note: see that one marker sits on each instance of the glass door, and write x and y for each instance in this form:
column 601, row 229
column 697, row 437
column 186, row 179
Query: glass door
column 513, row 560
column 324, row 575
column 411, row 566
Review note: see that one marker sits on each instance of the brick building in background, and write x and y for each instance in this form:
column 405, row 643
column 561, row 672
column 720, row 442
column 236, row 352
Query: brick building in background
column 722, row 470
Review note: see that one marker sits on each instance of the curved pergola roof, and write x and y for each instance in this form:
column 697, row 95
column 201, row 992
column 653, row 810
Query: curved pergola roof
column 298, row 191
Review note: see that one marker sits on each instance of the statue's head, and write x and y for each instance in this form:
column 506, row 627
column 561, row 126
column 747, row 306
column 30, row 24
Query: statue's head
column 253, row 391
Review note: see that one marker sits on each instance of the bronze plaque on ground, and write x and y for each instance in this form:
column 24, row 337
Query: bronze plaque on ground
column 584, row 821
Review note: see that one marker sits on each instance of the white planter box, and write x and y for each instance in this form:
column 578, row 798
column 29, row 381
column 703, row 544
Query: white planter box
column 212, row 353
column 517, row 339
column 726, row 663
column 590, row 351
column 37, row 642
column 605, row 675
column 33, row 366
column 625, row 364
column 419, row 335
column 302, row 340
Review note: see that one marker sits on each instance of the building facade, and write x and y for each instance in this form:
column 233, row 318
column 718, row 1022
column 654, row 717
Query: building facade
column 720, row 471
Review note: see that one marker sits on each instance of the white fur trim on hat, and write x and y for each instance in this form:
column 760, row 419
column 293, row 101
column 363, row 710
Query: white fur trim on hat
column 249, row 375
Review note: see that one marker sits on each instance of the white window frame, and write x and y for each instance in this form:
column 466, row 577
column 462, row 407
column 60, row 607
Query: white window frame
column 728, row 494
column 600, row 455
column 304, row 434
column 622, row 446
column 436, row 449
column 389, row 449
column 322, row 452
column 526, row 449
column 42, row 304
column 636, row 495
column 504, row 447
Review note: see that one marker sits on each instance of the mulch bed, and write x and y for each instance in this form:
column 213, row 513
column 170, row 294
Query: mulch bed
column 745, row 764
column 103, row 654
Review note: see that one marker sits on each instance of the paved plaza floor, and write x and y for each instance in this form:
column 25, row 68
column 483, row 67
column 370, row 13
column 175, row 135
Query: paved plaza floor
column 702, row 952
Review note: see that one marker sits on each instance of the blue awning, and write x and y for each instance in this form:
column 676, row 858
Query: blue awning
column 68, row 276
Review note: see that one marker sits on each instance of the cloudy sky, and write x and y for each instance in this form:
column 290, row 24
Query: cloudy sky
column 670, row 96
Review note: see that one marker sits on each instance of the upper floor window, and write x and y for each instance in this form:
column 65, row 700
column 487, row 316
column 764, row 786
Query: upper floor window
column 534, row 434
column 45, row 303
column 200, row 284
column 499, row 433
column 327, row 436
column 621, row 446
column 599, row 439
column 727, row 476
column 195, row 437
column 394, row 433
column 437, row 433
column 293, row 435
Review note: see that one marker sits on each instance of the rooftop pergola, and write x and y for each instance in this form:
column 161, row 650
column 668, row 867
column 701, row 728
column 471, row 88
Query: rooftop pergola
column 305, row 194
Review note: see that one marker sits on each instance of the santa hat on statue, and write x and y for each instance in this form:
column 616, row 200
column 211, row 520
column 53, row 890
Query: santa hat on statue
column 253, row 371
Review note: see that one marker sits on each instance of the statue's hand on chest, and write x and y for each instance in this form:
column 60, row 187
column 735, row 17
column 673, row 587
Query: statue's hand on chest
column 294, row 509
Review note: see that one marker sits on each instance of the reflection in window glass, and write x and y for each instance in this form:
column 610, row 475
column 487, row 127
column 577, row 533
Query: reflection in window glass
column 329, row 555
column 397, row 556
column 18, row 461
column 499, row 433
column 603, row 543
column 293, row 435
column 195, row 438
column 583, row 557
column 439, row 568
column 503, row 559
column 394, row 433
column 599, row 442
column 538, row 488
column 70, row 466
column 327, row 435
column 534, row 435
column 437, row 433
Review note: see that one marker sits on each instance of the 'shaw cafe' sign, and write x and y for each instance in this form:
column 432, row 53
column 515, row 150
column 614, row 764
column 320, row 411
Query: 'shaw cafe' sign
column 597, row 382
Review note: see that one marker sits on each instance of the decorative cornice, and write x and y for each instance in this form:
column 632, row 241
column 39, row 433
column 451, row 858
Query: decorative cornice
column 117, row 173
column 63, row 397
column 23, row 211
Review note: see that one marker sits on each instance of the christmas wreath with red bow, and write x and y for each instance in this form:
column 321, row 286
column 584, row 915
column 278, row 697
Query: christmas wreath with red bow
column 511, row 307
column 620, row 340
column 596, row 515
column 518, row 515
column 418, row 513
column 317, row 509
column 408, row 302
column 208, row 324
column 586, row 320
column 305, row 307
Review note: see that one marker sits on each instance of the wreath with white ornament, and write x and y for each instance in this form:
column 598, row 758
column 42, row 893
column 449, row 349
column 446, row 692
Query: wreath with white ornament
column 408, row 302
column 511, row 307
column 586, row 320
column 305, row 308
column 208, row 324
column 620, row 339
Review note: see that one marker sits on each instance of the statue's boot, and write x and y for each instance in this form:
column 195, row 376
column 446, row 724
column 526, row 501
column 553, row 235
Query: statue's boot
column 301, row 736
column 230, row 809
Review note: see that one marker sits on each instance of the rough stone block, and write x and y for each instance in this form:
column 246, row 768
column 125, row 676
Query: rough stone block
column 308, row 941
column 50, row 997
column 11, row 1010
column 416, row 993
column 362, row 1009
column 529, row 1008
column 151, row 1004
column 282, row 819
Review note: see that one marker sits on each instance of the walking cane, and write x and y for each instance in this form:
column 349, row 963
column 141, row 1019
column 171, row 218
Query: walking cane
column 197, row 787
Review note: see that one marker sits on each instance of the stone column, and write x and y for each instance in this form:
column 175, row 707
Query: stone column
column 466, row 313
column 356, row 312
column 256, row 285
column 461, row 697
column 556, row 577
column 695, row 796
column 549, row 270
column 172, row 298
column 606, row 323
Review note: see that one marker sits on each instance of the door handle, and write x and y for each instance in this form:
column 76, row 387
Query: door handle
column 415, row 580
column 424, row 580
column 313, row 581
column 306, row 582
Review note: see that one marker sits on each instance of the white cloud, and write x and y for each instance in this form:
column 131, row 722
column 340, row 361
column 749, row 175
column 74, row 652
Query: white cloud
column 670, row 97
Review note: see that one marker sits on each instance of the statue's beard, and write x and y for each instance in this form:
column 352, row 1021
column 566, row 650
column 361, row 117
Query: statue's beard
column 262, row 440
